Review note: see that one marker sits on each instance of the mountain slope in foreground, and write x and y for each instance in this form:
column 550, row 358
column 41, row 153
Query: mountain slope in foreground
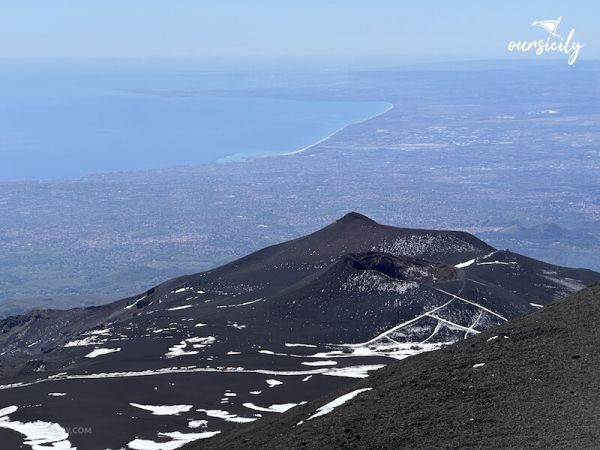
column 532, row 382
column 201, row 354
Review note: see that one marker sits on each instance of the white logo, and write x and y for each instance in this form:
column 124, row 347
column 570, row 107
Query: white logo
column 556, row 43
column 551, row 26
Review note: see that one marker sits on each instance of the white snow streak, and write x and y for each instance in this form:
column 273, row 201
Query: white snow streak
column 327, row 408
column 102, row 351
column 179, row 308
column 226, row 416
column 136, row 302
column 319, row 363
column 183, row 289
column 241, row 304
column 300, row 345
column 351, row 372
column 163, row 410
column 465, row 264
column 281, row 408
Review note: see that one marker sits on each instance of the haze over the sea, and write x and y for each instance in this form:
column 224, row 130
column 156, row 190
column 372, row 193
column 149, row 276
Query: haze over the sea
column 65, row 123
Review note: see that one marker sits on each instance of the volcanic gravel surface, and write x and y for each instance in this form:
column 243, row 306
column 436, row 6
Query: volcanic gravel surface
column 531, row 383
column 204, row 354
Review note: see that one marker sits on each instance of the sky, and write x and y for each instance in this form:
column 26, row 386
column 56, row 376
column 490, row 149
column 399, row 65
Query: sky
column 368, row 30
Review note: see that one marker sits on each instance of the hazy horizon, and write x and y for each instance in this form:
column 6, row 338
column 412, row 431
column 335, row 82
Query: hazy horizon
column 353, row 33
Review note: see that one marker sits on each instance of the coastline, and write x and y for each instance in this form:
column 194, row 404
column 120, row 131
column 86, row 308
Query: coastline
column 329, row 136
column 245, row 157
column 232, row 158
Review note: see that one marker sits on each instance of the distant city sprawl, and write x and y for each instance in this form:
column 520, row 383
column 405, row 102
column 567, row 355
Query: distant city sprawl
column 507, row 155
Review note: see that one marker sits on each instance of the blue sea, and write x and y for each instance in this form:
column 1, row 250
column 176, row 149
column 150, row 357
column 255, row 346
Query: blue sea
column 63, row 122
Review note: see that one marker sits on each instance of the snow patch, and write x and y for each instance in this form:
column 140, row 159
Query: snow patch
column 464, row 264
column 422, row 244
column 102, row 351
column 353, row 371
column 39, row 435
column 226, row 416
column 369, row 281
column 273, row 383
column 136, row 302
column 281, row 408
column 197, row 342
column 103, row 332
column 327, row 408
column 178, row 440
column 163, row 410
column 390, row 349
column 183, row 289
column 8, row 410
column 178, row 308
column 300, row 345
column 198, row 423
column 319, row 363
column 90, row 340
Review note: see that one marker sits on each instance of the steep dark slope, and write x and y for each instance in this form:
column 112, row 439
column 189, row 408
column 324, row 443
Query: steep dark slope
column 532, row 382
column 202, row 353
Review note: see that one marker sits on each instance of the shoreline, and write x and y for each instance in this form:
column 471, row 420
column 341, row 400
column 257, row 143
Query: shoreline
column 233, row 158
column 329, row 136
column 246, row 157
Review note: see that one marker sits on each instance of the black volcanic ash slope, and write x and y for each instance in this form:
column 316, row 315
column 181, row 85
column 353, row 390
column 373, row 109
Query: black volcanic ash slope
column 531, row 383
column 201, row 354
